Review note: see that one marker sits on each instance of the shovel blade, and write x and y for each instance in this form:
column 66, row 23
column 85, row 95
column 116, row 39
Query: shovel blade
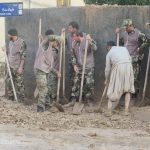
column 58, row 106
column 77, row 109
column 98, row 110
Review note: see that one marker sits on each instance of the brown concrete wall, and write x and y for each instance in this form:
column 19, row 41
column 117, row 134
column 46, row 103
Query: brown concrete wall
column 99, row 21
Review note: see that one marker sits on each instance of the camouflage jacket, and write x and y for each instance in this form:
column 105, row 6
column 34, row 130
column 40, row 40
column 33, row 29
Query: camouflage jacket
column 78, row 50
column 17, row 51
column 135, row 42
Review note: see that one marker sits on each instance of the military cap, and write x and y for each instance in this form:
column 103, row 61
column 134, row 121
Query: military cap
column 13, row 32
column 126, row 22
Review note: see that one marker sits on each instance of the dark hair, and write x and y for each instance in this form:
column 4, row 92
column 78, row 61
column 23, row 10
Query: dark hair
column 49, row 32
column 78, row 33
column 74, row 24
column 111, row 43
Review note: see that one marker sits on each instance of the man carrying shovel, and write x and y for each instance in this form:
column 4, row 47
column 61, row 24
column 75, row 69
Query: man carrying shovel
column 78, row 48
column 73, row 27
column 118, row 76
column 46, row 62
column 135, row 41
column 16, row 52
column 49, row 79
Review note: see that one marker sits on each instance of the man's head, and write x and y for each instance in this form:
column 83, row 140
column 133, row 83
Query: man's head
column 77, row 36
column 12, row 34
column 110, row 44
column 49, row 32
column 128, row 25
column 54, row 43
column 73, row 27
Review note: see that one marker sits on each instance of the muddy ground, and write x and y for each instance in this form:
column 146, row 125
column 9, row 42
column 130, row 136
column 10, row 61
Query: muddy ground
column 64, row 131
column 52, row 120
column 12, row 138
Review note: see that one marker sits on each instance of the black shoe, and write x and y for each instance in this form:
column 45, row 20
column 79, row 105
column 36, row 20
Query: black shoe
column 134, row 95
column 40, row 109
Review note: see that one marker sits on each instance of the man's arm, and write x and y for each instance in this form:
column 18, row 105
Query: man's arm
column 74, row 62
column 56, row 57
column 23, row 54
column 143, row 42
column 56, row 72
column 93, row 45
column 73, row 55
column 40, row 38
column 121, row 40
column 74, row 58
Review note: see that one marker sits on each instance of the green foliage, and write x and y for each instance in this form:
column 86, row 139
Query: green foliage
column 119, row 2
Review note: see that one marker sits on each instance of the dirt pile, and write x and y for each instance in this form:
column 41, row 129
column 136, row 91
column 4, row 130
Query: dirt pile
column 26, row 116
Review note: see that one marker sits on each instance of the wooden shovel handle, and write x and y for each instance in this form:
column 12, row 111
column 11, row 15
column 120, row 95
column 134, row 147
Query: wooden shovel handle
column 64, row 63
column 146, row 78
column 83, row 71
column 117, row 39
column 60, row 62
column 11, row 79
column 40, row 23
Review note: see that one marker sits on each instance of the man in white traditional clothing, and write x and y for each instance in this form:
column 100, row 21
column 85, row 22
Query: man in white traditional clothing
column 119, row 76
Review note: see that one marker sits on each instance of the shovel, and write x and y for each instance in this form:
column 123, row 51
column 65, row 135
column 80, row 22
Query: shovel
column 11, row 79
column 101, row 100
column 146, row 76
column 78, row 107
column 64, row 69
column 146, row 79
column 36, row 92
column 117, row 39
column 56, row 104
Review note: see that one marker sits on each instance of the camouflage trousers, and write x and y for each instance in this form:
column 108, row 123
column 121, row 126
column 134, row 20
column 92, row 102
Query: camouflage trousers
column 18, row 83
column 88, row 86
column 41, row 81
column 71, row 78
column 52, row 87
column 136, row 71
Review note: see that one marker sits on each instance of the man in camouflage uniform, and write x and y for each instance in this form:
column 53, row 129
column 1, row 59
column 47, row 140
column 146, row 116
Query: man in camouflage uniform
column 135, row 41
column 52, row 77
column 73, row 27
column 45, row 62
column 78, row 50
column 17, row 51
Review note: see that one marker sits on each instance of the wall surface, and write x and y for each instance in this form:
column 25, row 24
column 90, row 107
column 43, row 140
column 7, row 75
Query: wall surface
column 99, row 21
